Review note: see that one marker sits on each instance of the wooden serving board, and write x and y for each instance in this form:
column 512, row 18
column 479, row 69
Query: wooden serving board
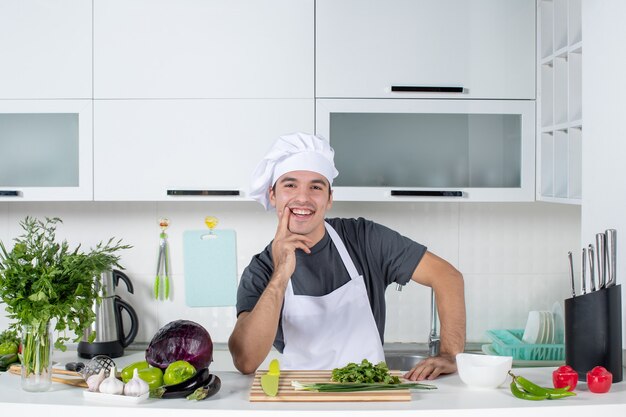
column 76, row 382
column 287, row 393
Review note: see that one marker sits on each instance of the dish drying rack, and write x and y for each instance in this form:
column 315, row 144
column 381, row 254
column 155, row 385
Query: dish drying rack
column 508, row 342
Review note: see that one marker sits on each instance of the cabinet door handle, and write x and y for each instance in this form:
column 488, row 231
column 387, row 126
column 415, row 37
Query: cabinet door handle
column 423, row 193
column 10, row 193
column 425, row 89
column 212, row 193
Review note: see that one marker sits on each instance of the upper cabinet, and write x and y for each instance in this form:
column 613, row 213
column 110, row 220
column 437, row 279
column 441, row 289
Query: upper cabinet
column 182, row 150
column 560, row 110
column 425, row 49
column 46, row 150
column 46, row 49
column 203, row 49
column 436, row 150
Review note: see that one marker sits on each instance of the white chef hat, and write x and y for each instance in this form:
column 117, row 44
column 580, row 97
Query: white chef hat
column 294, row 152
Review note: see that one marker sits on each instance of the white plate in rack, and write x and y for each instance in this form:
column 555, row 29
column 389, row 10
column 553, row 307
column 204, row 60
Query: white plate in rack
column 114, row 399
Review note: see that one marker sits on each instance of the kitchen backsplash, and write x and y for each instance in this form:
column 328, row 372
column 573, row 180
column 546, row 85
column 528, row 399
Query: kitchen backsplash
column 512, row 255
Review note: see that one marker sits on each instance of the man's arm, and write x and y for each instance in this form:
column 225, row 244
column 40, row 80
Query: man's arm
column 447, row 284
column 255, row 331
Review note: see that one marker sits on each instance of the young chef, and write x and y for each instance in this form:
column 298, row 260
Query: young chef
column 317, row 291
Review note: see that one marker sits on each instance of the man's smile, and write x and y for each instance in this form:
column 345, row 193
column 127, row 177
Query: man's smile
column 301, row 212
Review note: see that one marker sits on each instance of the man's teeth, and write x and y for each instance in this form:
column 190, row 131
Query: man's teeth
column 302, row 212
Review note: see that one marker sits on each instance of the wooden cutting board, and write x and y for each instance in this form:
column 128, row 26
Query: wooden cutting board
column 286, row 393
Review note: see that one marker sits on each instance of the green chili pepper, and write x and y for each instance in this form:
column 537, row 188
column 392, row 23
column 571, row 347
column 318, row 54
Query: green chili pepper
column 525, row 395
column 528, row 390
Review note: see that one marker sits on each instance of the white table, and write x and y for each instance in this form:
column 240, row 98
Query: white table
column 452, row 398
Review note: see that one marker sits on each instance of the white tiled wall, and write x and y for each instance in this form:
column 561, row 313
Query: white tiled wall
column 512, row 255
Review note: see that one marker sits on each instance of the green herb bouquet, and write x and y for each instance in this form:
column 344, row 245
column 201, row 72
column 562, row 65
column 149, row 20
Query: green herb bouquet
column 43, row 282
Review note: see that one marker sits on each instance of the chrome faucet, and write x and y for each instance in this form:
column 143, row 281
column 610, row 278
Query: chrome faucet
column 433, row 335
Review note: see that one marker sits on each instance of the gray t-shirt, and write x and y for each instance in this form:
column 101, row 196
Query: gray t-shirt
column 380, row 254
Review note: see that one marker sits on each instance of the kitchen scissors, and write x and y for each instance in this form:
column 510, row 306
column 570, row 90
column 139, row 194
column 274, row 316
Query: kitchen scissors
column 163, row 264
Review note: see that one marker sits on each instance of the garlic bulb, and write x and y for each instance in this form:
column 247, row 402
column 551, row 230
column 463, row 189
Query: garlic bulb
column 94, row 381
column 136, row 387
column 112, row 385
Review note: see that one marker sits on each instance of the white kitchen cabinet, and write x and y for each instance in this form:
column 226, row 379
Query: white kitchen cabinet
column 45, row 150
column 169, row 150
column 559, row 92
column 203, row 49
column 485, row 48
column 46, row 49
column 430, row 150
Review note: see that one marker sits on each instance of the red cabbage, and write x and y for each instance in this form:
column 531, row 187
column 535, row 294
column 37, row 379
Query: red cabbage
column 180, row 340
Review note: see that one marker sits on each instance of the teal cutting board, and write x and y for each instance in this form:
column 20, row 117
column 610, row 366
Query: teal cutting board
column 210, row 268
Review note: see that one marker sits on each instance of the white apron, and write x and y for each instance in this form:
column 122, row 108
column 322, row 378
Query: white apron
column 332, row 330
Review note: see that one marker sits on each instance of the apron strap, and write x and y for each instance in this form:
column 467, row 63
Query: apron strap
column 343, row 252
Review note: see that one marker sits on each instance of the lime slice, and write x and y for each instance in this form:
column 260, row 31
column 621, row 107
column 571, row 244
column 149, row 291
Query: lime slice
column 269, row 383
column 274, row 368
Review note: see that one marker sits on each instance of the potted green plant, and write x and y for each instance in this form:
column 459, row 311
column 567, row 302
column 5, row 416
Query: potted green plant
column 44, row 283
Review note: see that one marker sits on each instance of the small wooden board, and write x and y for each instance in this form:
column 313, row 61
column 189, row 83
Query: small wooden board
column 287, row 393
column 76, row 382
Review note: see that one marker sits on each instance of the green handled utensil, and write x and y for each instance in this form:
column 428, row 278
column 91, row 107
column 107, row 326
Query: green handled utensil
column 163, row 263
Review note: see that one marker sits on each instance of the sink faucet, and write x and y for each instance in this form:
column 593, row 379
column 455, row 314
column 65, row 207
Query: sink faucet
column 433, row 335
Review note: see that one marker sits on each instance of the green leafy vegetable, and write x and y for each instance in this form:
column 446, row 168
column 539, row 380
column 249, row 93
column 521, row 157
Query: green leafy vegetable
column 366, row 372
column 348, row 387
column 42, row 280
column 9, row 336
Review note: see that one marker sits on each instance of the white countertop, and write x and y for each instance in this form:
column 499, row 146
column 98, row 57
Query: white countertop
column 452, row 398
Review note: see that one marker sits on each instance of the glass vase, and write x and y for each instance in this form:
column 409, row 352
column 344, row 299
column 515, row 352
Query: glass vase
column 36, row 357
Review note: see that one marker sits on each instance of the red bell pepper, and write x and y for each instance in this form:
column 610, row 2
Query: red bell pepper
column 565, row 376
column 599, row 380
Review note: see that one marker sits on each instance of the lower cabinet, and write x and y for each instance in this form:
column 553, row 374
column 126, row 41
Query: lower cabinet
column 186, row 150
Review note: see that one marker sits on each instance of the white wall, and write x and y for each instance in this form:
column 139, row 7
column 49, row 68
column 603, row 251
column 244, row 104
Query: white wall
column 604, row 113
column 513, row 256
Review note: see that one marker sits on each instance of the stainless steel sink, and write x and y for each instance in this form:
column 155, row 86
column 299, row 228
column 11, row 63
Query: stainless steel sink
column 403, row 361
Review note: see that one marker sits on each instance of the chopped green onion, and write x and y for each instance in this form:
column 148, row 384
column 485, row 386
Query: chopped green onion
column 347, row 387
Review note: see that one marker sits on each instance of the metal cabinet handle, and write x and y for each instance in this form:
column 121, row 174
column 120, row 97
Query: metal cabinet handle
column 10, row 193
column 423, row 193
column 212, row 193
column 425, row 89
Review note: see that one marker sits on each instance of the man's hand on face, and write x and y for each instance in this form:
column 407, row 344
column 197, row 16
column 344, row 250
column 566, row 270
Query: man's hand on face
column 285, row 244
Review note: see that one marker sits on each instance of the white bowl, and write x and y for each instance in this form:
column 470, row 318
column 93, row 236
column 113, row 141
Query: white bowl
column 483, row 371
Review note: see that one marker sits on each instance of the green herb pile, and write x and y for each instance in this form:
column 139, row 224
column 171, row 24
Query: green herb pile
column 42, row 280
column 366, row 372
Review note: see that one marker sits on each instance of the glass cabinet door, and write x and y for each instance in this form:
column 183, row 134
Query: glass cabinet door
column 399, row 149
column 45, row 150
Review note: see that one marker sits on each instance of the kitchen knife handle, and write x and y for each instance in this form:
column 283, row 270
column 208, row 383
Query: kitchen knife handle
column 424, row 193
column 571, row 273
column 601, row 258
column 10, row 193
column 592, row 269
column 206, row 193
column 425, row 89
column 611, row 256
column 583, row 273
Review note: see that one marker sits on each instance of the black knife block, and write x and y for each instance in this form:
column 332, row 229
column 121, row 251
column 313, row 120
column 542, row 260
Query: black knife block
column 593, row 332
